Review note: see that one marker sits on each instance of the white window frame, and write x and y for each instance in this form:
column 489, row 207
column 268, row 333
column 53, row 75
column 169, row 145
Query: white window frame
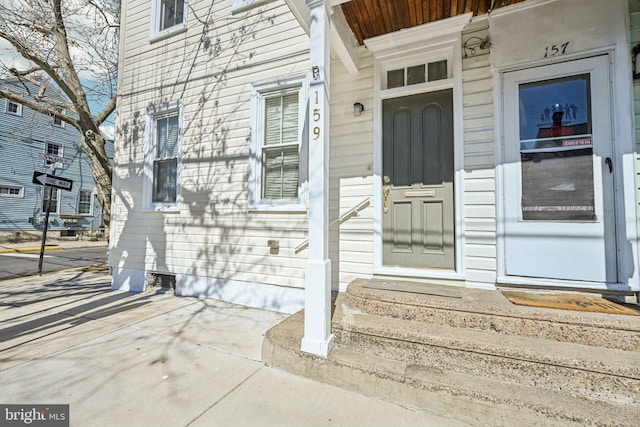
column 46, row 151
column 45, row 190
column 239, row 6
column 153, row 114
column 17, row 113
column 91, row 197
column 156, row 19
column 259, row 92
column 20, row 194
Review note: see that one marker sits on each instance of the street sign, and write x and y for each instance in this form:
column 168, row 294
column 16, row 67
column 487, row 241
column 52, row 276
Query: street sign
column 55, row 159
column 42, row 178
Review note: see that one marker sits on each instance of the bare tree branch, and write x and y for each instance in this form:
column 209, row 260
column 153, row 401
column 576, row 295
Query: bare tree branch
column 72, row 45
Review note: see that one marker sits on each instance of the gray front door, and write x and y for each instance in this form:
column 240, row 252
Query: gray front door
column 418, row 193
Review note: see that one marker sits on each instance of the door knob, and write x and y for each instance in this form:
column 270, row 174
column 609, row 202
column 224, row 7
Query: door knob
column 609, row 163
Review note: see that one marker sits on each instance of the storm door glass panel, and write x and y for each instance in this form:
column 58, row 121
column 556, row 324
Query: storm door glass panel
column 556, row 150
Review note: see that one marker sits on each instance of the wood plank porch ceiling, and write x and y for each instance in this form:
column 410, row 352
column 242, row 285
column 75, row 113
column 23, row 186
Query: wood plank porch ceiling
column 370, row 18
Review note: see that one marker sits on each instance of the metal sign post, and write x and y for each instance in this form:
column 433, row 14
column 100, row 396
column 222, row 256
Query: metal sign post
column 50, row 181
column 46, row 221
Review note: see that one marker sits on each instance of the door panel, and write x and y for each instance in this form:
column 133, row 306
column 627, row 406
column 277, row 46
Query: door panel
column 558, row 190
column 418, row 211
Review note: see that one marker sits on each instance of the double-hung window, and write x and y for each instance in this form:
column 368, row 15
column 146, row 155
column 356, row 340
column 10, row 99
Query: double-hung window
column 53, row 149
column 84, row 202
column 168, row 17
column 163, row 143
column 53, row 206
column 278, row 158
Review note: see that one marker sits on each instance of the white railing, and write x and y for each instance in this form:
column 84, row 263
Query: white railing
column 354, row 211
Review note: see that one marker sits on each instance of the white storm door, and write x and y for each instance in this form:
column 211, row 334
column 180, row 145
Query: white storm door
column 558, row 173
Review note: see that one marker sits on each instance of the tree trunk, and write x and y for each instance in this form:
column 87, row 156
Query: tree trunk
column 94, row 148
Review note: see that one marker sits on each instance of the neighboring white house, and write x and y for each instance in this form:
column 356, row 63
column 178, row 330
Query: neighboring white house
column 474, row 149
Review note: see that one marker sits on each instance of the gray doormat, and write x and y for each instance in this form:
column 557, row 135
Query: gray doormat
column 416, row 288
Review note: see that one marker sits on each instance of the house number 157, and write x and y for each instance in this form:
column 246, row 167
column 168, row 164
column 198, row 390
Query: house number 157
column 555, row 50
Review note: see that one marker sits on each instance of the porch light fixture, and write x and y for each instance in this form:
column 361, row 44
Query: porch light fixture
column 358, row 108
column 472, row 43
column 635, row 58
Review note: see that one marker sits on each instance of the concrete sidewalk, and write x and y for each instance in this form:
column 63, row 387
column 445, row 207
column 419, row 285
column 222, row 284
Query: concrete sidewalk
column 153, row 359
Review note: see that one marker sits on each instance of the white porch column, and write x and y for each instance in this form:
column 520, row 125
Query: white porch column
column 317, row 317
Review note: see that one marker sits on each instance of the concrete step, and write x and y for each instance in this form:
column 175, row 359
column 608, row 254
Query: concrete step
column 596, row 373
column 491, row 311
column 466, row 396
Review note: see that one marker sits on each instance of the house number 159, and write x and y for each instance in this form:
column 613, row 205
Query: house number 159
column 316, row 119
column 555, row 50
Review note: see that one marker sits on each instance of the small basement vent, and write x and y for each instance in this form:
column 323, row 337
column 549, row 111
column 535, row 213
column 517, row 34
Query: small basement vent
column 160, row 281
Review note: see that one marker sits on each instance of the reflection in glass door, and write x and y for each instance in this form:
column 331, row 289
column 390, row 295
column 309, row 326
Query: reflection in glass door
column 558, row 211
column 556, row 150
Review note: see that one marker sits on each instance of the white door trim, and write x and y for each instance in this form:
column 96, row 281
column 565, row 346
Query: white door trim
column 623, row 180
column 427, row 45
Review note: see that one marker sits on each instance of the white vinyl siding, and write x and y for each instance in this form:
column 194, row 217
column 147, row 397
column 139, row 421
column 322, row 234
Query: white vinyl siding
column 480, row 163
column 351, row 164
column 215, row 236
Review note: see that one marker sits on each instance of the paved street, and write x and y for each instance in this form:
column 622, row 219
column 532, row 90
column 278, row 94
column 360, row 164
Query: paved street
column 151, row 359
column 25, row 262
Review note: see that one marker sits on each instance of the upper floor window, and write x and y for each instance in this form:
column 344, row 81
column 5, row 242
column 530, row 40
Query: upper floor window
column 168, row 16
column 278, row 164
column 14, row 108
column 163, row 157
column 54, row 149
column 56, row 120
